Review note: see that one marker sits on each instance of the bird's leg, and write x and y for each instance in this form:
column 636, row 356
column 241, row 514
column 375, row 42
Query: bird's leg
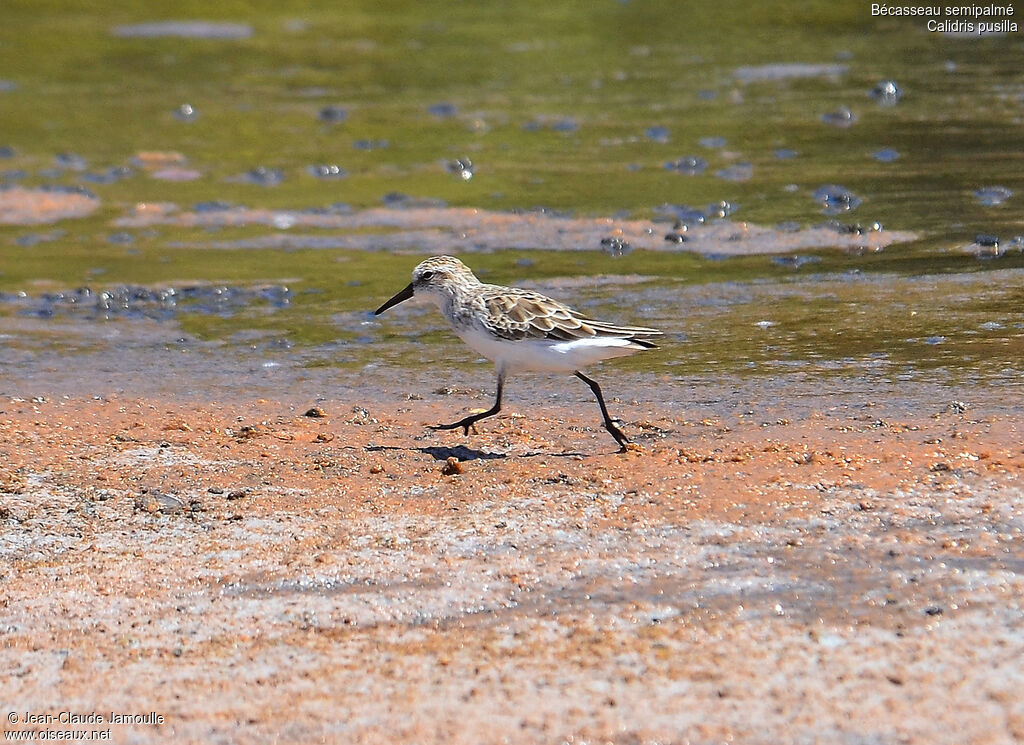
column 472, row 419
column 609, row 425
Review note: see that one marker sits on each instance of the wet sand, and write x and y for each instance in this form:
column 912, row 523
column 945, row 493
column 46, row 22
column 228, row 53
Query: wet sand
column 778, row 562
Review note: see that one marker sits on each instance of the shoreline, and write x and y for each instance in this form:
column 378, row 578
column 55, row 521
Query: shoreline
column 743, row 567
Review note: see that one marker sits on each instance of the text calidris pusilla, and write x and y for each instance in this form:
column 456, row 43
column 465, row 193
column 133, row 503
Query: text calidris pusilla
column 520, row 330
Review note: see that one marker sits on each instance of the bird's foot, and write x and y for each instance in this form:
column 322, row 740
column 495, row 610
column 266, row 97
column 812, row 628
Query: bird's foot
column 466, row 424
column 620, row 437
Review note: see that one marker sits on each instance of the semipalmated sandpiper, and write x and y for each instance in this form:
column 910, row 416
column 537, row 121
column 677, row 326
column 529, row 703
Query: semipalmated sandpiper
column 520, row 330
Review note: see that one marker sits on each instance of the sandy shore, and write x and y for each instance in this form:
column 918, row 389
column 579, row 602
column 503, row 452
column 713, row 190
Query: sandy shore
column 756, row 573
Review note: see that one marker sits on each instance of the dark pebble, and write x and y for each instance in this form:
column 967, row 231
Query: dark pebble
column 214, row 206
column 721, row 209
column 109, row 176
column 795, row 262
column 657, row 134
column 736, row 172
column 371, row 144
column 328, row 171
column 186, row 113
column 443, row 110
column 120, row 238
column 333, row 114
column 691, row 165
column 264, row 176
column 565, row 125
column 841, row 117
column 712, row 143
column 399, row 200
column 615, row 246
column 154, row 502
column 836, row 199
column 462, row 167
column 70, row 161
column 886, row 93
column 992, row 196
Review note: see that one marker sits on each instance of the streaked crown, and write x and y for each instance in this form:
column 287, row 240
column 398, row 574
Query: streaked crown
column 440, row 271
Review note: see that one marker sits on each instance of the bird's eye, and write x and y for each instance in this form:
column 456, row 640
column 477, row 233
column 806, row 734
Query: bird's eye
column 427, row 276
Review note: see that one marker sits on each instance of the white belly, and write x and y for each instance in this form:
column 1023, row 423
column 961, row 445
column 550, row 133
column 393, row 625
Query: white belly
column 543, row 355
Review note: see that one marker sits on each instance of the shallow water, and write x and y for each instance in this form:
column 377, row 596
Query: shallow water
column 128, row 154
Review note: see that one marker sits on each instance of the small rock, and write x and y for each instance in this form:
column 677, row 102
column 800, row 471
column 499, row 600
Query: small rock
column 992, row 196
column 237, row 494
column 333, row 114
column 323, row 437
column 443, row 110
column 263, row 176
column 886, row 93
column 186, row 113
column 315, row 413
column 376, row 469
column 327, row 171
column 248, row 432
column 615, row 246
column 158, row 502
column 690, row 165
column 359, row 416
column 836, row 199
column 841, row 117
column 657, row 134
column 451, row 467
column 461, row 167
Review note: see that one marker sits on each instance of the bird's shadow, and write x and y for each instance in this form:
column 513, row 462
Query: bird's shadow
column 463, row 453
column 436, row 452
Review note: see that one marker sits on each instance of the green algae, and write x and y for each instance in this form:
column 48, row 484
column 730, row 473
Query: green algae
column 553, row 103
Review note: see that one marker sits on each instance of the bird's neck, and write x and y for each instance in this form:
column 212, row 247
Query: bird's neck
column 458, row 302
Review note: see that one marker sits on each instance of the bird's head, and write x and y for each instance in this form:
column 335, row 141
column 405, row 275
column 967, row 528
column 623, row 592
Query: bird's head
column 437, row 278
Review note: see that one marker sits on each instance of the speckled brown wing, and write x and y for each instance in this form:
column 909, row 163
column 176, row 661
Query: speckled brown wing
column 522, row 314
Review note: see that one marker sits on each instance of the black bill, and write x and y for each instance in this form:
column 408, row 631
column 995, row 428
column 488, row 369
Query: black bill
column 399, row 298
